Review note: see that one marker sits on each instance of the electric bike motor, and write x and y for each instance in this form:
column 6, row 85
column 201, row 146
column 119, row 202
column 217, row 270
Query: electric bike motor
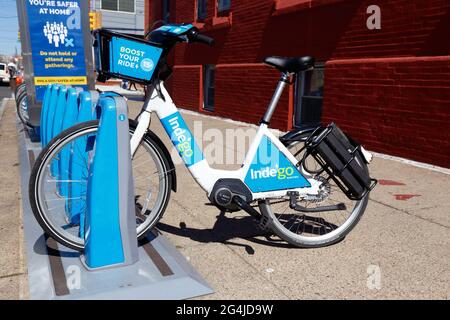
column 225, row 190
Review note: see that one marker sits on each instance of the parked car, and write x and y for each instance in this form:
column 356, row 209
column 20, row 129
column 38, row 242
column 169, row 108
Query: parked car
column 4, row 73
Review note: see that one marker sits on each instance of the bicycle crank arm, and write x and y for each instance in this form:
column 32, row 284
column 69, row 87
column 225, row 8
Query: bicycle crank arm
column 246, row 207
column 339, row 206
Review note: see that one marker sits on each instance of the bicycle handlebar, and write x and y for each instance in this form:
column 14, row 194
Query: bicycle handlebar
column 195, row 36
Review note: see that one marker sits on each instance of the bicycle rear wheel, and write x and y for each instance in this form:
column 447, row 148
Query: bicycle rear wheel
column 313, row 229
column 58, row 192
column 22, row 109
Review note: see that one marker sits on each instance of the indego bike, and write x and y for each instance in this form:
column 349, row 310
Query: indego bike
column 310, row 187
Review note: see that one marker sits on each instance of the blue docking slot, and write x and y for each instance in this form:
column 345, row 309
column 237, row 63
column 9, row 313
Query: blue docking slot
column 44, row 112
column 49, row 117
column 69, row 119
column 110, row 230
column 57, row 124
column 79, row 155
column 81, row 150
column 102, row 203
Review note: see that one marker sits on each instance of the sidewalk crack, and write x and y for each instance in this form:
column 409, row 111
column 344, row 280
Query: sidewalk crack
column 411, row 214
column 12, row 275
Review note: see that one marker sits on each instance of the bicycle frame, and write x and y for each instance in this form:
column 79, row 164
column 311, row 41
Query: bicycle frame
column 197, row 165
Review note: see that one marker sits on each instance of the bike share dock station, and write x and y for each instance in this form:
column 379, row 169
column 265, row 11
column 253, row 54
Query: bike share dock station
column 113, row 265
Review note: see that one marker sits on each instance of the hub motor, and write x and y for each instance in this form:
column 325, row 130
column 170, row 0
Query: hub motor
column 225, row 189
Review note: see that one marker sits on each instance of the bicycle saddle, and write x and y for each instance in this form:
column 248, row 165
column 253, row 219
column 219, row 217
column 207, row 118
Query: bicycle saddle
column 291, row 65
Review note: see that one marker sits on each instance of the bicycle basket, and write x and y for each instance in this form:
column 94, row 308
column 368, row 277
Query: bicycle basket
column 342, row 159
column 125, row 57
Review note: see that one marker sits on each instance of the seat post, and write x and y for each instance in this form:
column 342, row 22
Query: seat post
column 276, row 97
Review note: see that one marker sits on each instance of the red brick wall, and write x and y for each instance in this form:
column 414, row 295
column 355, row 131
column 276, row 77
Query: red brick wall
column 249, row 91
column 186, row 83
column 153, row 12
column 398, row 106
column 404, row 90
column 244, row 105
column 408, row 28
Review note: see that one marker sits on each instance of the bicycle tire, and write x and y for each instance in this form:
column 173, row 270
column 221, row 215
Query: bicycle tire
column 58, row 142
column 19, row 109
column 273, row 223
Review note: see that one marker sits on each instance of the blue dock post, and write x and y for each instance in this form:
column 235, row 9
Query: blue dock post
column 79, row 155
column 51, row 113
column 110, row 232
column 44, row 111
column 69, row 119
column 56, row 124
column 59, row 111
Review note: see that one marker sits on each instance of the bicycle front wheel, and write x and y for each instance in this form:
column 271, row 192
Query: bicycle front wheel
column 58, row 184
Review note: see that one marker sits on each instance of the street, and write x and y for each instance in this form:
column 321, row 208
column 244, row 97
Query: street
column 5, row 91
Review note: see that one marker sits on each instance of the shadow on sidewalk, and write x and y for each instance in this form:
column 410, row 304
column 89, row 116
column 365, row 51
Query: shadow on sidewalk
column 224, row 230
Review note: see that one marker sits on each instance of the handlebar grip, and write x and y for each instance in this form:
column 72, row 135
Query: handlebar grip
column 203, row 39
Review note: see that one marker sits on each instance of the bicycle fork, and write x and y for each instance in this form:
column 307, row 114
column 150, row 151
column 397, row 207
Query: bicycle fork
column 141, row 129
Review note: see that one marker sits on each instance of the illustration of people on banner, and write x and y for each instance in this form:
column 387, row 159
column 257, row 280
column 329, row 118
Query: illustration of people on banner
column 57, row 43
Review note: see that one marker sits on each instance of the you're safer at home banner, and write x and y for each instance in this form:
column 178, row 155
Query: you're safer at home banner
column 57, row 47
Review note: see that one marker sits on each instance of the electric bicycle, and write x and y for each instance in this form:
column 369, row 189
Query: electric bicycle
column 310, row 187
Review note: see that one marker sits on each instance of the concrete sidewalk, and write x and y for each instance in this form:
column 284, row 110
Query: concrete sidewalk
column 404, row 232
column 13, row 276
column 404, row 235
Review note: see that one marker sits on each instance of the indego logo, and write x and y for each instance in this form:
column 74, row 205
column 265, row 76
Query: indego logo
column 268, row 172
column 181, row 137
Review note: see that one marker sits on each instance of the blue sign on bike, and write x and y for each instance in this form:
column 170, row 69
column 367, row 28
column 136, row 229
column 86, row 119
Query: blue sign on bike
column 133, row 59
column 56, row 43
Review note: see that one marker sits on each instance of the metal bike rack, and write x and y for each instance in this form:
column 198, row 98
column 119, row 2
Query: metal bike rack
column 114, row 265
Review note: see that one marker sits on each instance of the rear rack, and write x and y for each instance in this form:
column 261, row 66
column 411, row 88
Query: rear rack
column 341, row 158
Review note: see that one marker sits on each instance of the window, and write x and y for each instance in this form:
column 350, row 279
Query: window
column 309, row 90
column 223, row 5
column 208, row 87
column 118, row 5
column 201, row 9
column 165, row 11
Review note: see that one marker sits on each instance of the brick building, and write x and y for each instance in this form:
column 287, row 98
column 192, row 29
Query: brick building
column 383, row 72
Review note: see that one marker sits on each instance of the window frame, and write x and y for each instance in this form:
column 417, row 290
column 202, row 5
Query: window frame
column 207, row 85
column 221, row 9
column 119, row 11
column 165, row 5
column 300, row 88
column 197, row 11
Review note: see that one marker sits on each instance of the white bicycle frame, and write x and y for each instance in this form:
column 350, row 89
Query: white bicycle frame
column 206, row 176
